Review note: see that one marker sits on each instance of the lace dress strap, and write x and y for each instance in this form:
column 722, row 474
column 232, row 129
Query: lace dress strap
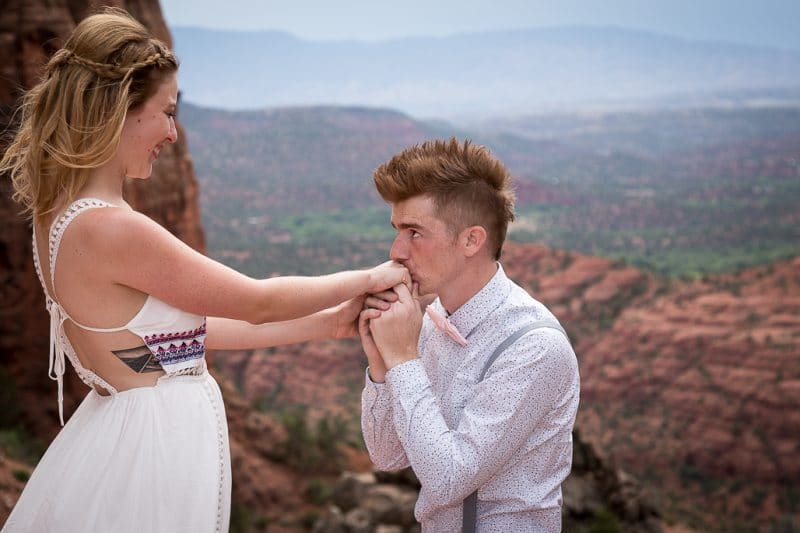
column 59, row 226
column 60, row 348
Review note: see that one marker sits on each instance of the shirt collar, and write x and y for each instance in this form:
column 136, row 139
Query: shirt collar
column 477, row 308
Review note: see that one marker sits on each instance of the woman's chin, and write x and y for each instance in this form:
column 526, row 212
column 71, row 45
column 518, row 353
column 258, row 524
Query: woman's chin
column 142, row 175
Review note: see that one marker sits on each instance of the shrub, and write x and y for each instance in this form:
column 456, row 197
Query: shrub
column 604, row 522
column 246, row 520
column 20, row 445
column 312, row 448
column 318, row 491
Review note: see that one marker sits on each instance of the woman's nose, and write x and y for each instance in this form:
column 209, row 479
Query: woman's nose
column 173, row 131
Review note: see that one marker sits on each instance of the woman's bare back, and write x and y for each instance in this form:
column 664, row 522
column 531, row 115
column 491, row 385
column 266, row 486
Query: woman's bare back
column 83, row 290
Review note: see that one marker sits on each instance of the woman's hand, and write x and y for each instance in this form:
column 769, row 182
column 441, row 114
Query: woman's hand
column 387, row 275
column 344, row 318
column 383, row 300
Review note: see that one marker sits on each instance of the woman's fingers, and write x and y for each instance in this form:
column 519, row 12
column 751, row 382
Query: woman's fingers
column 367, row 315
column 388, row 275
column 381, row 300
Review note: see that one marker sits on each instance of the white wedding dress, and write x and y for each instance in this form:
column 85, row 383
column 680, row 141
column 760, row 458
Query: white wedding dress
column 149, row 459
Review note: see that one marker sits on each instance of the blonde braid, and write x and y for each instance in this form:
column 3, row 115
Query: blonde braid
column 61, row 57
column 104, row 70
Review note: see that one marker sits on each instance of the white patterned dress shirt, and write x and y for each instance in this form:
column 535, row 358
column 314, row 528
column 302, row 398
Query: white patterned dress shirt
column 509, row 436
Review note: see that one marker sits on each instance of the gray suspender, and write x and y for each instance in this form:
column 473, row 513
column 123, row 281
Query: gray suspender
column 469, row 517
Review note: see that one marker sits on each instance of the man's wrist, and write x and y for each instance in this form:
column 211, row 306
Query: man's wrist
column 395, row 359
column 378, row 377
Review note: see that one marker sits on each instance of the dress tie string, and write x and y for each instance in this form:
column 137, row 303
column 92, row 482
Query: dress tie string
column 57, row 352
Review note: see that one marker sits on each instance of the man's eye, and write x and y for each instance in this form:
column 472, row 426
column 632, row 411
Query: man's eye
column 415, row 233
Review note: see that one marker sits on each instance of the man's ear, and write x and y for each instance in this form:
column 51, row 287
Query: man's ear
column 473, row 239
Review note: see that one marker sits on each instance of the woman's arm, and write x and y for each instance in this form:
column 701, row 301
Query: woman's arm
column 337, row 322
column 132, row 250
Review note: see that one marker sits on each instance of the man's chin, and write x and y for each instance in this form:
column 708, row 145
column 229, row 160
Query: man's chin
column 423, row 288
column 422, row 285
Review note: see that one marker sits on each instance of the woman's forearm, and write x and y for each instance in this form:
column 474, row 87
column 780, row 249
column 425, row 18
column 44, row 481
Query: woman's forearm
column 291, row 297
column 229, row 334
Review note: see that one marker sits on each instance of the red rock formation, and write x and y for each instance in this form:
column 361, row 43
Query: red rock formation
column 700, row 387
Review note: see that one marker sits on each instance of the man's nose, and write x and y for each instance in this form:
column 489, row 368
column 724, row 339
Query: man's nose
column 399, row 250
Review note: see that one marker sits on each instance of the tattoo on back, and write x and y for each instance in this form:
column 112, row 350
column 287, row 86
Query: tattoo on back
column 139, row 359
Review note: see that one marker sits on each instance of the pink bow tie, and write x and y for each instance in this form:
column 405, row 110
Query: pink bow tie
column 445, row 326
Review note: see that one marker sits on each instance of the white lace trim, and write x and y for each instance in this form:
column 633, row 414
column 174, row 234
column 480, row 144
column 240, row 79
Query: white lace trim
column 60, row 347
column 196, row 370
column 221, row 453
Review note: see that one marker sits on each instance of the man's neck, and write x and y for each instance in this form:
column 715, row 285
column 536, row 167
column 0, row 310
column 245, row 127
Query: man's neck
column 467, row 284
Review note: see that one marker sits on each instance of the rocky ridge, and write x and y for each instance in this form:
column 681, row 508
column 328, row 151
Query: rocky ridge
column 703, row 394
column 595, row 495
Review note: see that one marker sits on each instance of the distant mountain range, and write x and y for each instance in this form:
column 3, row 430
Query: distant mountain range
column 479, row 74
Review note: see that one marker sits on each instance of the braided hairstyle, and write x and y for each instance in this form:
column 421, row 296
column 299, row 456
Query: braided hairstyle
column 72, row 119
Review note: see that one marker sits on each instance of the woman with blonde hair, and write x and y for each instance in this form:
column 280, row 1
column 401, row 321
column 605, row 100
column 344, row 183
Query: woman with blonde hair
column 131, row 306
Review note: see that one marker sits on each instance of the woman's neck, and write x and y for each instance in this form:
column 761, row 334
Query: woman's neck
column 104, row 184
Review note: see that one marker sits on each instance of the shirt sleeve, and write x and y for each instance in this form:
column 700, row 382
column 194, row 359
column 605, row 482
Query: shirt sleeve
column 377, row 426
column 534, row 376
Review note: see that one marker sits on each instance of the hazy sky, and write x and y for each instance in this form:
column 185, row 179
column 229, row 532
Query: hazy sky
column 764, row 22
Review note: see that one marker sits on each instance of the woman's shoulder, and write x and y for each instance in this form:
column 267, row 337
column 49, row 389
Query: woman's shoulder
column 111, row 226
